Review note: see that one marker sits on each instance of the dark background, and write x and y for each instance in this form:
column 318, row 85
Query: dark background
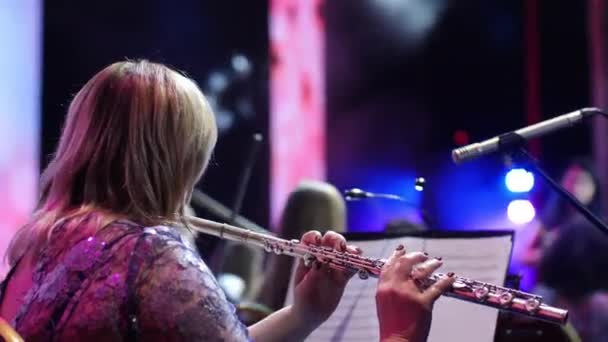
column 395, row 97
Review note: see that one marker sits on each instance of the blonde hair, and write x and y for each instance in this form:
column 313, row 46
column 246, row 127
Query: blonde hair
column 137, row 138
column 313, row 204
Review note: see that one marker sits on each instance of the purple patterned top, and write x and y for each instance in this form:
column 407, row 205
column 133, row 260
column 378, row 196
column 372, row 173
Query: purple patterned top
column 125, row 283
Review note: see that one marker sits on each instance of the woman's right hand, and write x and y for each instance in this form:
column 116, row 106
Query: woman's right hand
column 404, row 309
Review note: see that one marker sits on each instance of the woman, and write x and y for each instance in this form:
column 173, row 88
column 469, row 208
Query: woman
column 107, row 255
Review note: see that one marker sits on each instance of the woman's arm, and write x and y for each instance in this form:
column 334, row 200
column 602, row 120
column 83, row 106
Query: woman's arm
column 318, row 290
column 283, row 325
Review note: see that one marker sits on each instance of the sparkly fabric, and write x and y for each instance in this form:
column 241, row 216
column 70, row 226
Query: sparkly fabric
column 125, row 283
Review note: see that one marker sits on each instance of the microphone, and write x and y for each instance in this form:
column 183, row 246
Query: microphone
column 507, row 141
column 355, row 194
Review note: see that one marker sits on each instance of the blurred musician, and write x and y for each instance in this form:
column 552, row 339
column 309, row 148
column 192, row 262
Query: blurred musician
column 313, row 204
column 571, row 256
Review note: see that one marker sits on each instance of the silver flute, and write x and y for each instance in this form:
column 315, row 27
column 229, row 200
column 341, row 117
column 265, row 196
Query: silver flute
column 474, row 291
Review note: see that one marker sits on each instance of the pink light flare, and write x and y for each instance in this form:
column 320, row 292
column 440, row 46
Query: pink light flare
column 297, row 98
column 20, row 34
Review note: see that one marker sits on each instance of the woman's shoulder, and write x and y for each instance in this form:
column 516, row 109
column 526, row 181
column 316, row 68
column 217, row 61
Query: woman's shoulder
column 177, row 293
column 154, row 239
column 168, row 245
column 598, row 303
column 168, row 240
column 148, row 245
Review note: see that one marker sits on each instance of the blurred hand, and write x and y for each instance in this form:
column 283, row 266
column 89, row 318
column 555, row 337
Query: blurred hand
column 318, row 288
column 404, row 309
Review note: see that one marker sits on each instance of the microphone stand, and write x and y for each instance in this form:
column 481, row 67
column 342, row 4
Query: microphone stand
column 530, row 162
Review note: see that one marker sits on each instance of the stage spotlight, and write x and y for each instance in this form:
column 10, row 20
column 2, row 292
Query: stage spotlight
column 521, row 211
column 519, row 180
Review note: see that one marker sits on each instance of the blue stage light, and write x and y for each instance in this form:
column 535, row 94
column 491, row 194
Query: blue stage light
column 519, row 180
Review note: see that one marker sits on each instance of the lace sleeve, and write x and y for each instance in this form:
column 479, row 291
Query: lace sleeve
column 180, row 300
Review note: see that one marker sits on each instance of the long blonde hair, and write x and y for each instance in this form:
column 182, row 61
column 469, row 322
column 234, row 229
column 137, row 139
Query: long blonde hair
column 136, row 139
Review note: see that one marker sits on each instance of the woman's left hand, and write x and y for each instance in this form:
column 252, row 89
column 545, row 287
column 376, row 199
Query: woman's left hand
column 318, row 288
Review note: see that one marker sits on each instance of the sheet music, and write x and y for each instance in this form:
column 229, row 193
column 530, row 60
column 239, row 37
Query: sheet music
column 485, row 259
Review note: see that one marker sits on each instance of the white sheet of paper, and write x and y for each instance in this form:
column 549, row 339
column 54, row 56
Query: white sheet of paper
column 481, row 258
